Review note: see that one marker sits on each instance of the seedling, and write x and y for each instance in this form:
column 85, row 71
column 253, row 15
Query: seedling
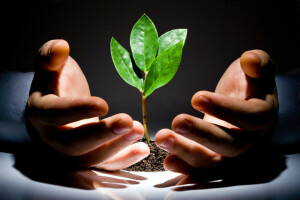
column 157, row 57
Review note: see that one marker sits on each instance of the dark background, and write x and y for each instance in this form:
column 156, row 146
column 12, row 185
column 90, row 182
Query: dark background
column 219, row 31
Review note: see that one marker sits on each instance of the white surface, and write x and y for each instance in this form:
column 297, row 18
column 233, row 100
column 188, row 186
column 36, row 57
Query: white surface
column 14, row 185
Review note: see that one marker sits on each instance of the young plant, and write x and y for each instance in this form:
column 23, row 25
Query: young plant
column 157, row 57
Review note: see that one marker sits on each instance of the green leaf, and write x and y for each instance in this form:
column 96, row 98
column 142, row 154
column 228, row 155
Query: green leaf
column 122, row 62
column 163, row 68
column 144, row 42
column 170, row 38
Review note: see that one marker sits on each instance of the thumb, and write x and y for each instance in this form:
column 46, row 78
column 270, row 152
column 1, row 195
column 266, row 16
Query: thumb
column 52, row 55
column 49, row 63
column 257, row 64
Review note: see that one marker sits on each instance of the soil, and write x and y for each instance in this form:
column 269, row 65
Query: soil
column 152, row 163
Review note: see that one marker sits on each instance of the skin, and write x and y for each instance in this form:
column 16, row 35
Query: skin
column 239, row 117
column 66, row 117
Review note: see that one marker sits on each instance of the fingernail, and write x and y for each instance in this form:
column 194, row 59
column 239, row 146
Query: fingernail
column 203, row 101
column 184, row 127
column 167, row 143
column 120, row 128
column 132, row 136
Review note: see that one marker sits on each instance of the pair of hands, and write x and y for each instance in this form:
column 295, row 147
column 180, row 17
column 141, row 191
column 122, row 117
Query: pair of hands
column 239, row 115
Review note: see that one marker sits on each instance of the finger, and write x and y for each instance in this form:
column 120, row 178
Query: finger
column 51, row 110
column 52, row 55
column 175, row 164
column 220, row 140
column 248, row 115
column 49, row 63
column 229, row 143
column 109, row 149
column 257, row 64
column 83, row 139
column 191, row 152
column 128, row 156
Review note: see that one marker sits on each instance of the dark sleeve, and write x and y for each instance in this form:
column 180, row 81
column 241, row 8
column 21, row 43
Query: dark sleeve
column 14, row 91
column 287, row 131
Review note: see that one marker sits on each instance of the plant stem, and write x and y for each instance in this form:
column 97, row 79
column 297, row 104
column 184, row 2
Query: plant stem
column 144, row 110
column 145, row 118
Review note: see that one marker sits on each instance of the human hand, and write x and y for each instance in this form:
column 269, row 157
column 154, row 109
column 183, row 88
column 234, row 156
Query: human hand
column 239, row 117
column 65, row 115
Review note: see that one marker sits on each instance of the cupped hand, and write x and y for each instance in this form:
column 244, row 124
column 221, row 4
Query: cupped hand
column 66, row 117
column 239, row 117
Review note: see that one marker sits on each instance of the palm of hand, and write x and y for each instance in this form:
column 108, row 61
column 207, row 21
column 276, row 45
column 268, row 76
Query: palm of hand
column 239, row 117
column 237, row 84
column 73, row 84
column 64, row 117
column 234, row 83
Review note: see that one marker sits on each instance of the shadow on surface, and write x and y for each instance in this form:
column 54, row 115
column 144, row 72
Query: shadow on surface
column 244, row 170
column 249, row 169
column 42, row 168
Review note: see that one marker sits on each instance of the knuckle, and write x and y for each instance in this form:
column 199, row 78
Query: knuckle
column 42, row 111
